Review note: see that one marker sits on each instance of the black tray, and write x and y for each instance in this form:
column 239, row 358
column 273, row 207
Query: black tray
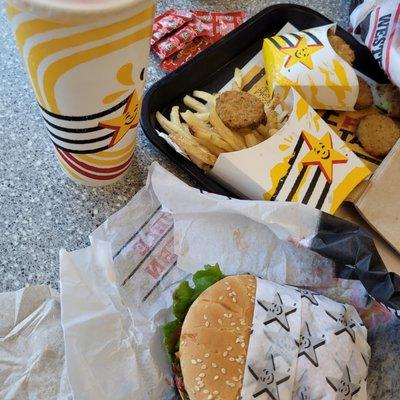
column 215, row 66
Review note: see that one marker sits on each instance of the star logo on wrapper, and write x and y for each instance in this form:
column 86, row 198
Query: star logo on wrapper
column 281, row 345
column 268, row 380
column 344, row 388
column 277, row 311
column 301, row 52
column 310, row 296
column 322, row 154
column 307, row 345
column 345, row 324
column 127, row 120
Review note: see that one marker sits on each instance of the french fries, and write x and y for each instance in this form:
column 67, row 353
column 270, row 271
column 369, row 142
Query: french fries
column 207, row 97
column 263, row 131
column 169, row 126
column 234, row 139
column 181, row 135
column 283, row 116
column 194, row 150
column 237, row 80
column 203, row 136
column 186, row 128
column 272, row 120
column 205, row 116
column 212, row 148
column 174, row 116
column 253, row 138
column 202, row 131
column 196, row 105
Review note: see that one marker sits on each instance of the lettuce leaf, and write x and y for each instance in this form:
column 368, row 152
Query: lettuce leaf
column 185, row 295
column 203, row 279
column 183, row 298
column 172, row 332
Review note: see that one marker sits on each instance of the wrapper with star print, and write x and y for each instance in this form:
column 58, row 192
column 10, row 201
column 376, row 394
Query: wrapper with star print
column 306, row 61
column 312, row 347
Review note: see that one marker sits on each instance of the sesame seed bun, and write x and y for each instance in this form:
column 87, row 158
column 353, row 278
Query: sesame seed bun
column 214, row 339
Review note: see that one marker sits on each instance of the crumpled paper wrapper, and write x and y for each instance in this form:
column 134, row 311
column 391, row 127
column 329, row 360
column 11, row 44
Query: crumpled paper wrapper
column 32, row 346
column 116, row 294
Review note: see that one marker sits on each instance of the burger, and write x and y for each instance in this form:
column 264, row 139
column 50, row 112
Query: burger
column 241, row 337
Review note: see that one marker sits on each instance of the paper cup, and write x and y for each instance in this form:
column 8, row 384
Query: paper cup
column 87, row 64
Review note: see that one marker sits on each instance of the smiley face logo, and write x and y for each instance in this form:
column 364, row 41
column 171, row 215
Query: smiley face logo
column 341, row 319
column 343, row 388
column 268, row 379
column 321, row 150
column 301, row 52
column 129, row 118
column 304, row 342
column 267, row 376
column 275, row 309
column 322, row 154
column 304, row 52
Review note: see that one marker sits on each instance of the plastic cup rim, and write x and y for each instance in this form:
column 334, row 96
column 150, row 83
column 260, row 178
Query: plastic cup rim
column 71, row 11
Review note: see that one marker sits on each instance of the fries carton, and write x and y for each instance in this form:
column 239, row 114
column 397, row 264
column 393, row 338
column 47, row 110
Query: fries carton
column 306, row 61
column 305, row 161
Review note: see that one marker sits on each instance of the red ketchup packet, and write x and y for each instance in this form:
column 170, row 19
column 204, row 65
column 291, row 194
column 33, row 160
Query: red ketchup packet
column 182, row 56
column 219, row 24
column 179, row 39
column 168, row 22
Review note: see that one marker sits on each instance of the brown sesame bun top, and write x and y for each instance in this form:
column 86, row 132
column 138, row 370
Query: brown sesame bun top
column 240, row 110
column 214, row 339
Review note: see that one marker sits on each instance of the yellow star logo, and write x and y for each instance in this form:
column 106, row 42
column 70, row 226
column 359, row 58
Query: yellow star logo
column 301, row 52
column 127, row 120
column 322, row 154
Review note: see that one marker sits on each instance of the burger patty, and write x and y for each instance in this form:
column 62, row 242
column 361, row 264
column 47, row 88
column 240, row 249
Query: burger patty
column 240, row 110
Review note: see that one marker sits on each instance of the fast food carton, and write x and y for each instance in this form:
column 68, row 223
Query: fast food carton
column 305, row 161
column 306, row 61
column 344, row 123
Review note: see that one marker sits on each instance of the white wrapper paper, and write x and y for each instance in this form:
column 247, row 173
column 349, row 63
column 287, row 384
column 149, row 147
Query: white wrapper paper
column 116, row 294
column 383, row 33
column 304, row 346
column 32, row 346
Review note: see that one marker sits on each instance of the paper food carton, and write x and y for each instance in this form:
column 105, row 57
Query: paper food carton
column 344, row 123
column 306, row 61
column 305, row 161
